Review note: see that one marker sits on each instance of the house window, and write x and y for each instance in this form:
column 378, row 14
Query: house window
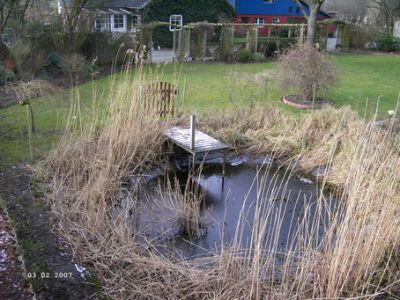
column 135, row 20
column 102, row 22
column 118, row 21
column 297, row 10
column 259, row 21
column 290, row 9
column 276, row 20
column 244, row 20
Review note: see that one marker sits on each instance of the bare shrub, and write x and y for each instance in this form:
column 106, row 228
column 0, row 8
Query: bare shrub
column 363, row 36
column 28, row 90
column 304, row 67
column 74, row 65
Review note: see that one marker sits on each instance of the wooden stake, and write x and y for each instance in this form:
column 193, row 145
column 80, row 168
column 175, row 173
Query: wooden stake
column 314, row 95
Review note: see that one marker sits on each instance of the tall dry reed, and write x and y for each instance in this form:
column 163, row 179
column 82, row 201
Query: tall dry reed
column 353, row 258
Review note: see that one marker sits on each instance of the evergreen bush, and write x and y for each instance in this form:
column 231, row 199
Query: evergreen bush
column 388, row 43
column 244, row 56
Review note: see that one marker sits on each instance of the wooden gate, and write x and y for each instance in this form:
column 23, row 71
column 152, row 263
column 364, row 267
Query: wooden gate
column 159, row 97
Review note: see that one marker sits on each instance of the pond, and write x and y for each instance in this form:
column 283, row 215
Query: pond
column 253, row 205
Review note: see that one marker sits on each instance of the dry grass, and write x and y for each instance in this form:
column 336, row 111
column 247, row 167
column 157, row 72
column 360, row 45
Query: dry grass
column 327, row 137
column 87, row 170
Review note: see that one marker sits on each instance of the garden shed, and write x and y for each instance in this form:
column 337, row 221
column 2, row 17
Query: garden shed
column 333, row 35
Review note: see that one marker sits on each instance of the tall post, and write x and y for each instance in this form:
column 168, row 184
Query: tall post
column 204, row 50
column 151, row 45
column 302, row 34
column 192, row 132
column 188, row 46
column 174, row 44
column 248, row 38
column 256, row 42
column 180, row 46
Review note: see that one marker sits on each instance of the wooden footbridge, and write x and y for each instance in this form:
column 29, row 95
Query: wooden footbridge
column 160, row 97
column 194, row 141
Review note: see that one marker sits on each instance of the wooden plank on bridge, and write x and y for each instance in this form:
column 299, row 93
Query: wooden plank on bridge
column 203, row 142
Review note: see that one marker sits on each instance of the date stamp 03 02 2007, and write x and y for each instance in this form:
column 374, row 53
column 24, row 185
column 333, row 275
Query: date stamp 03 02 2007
column 45, row 275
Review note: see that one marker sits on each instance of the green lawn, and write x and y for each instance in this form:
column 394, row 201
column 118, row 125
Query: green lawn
column 208, row 87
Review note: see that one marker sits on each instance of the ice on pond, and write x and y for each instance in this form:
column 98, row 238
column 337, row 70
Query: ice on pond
column 237, row 161
column 306, row 180
column 248, row 160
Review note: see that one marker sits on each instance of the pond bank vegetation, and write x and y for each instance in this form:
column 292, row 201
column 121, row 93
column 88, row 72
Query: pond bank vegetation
column 357, row 256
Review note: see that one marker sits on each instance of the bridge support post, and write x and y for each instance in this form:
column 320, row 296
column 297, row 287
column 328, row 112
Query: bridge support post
column 192, row 132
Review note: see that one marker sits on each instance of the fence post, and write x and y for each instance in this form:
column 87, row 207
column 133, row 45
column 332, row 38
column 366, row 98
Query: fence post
column 248, row 38
column 204, row 50
column 180, row 45
column 302, row 34
column 151, row 45
column 226, row 43
column 173, row 44
column 189, row 33
column 256, row 40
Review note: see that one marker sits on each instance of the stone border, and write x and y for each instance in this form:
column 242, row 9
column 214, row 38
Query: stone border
column 303, row 106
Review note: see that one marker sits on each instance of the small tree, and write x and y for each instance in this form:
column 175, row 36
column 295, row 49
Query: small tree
column 353, row 11
column 12, row 9
column 387, row 12
column 26, row 92
column 304, row 67
column 311, row 10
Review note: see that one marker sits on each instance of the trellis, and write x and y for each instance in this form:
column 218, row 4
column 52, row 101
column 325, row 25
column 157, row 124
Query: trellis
column 222, row 41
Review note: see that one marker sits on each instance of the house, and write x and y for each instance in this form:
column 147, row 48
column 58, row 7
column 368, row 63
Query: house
column 110, row 15
column 270, row 11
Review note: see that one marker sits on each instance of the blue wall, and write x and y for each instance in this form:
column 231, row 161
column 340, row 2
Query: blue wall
column 260, row 7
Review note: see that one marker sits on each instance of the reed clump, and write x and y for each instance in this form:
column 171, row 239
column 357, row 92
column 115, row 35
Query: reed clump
column 90, row 165
column 326, row 137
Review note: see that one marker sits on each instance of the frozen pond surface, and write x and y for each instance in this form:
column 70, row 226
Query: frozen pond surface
column 250, row 201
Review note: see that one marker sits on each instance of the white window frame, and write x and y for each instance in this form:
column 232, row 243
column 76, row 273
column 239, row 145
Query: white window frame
column 175, row 22
column 118, row 29
column 118, row 21
column 104, row 25
column 276, row 20
column 258, row 23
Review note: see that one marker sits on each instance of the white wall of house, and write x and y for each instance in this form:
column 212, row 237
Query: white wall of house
column 396, row 32
column 115, row 22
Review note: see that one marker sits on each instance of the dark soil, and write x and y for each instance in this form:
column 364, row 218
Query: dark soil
column 299, row 102
column 45, row 258
column 12, row 281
